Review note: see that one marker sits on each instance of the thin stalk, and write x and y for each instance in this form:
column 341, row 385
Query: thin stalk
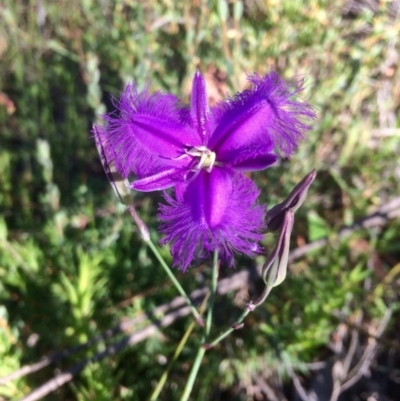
column 193, row 373
column 164, row 377
column 214, row 282
column 234, row 327
column 157, row 254
column 202, row 350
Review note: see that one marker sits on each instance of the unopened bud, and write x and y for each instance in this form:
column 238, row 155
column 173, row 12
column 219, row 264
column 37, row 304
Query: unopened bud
column 281, row 217
column 275, row 268
column 296, row 198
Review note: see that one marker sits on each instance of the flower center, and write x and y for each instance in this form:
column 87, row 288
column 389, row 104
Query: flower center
column 206, row 156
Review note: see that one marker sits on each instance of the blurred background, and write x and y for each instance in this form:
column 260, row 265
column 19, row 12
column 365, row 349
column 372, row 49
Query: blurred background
column 71, row 265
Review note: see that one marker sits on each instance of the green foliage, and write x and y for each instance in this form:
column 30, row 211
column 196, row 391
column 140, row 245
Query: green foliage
column 10, row 358
column 82, row 290
column 71, row 265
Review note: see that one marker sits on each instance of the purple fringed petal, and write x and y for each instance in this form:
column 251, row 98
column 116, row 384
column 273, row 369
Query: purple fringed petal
column 208, row 196
column 200, row 111
column 266, row 116
column 251, row 161
column 217, row 211
column 149, row 129
column 162, row 180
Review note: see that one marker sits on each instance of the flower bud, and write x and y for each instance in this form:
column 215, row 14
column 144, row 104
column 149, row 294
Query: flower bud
column 275, row 268
column 296, row 198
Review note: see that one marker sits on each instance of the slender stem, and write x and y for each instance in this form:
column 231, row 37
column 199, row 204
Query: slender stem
column 193, row 374
column 157, row 254
column 202, row 350
column 234, row 327
column 164, row 377
column 214, row 282
column 239, row 323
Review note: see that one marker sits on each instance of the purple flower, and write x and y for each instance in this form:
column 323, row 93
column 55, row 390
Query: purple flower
column 202, row 152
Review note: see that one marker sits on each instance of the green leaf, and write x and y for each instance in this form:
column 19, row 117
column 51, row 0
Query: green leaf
column 317, row 227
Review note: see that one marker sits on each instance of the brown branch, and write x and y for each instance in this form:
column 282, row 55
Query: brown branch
column 300, row 389
column 272, row 394
column 385, row 343
column 363, row 365
column 342, row 383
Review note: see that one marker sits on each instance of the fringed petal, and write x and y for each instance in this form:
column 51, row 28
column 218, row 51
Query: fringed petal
column 162, row 180
column 266, row 115
column 217, row 211
column 200, row 111
column 253, row 161
column 149, row 131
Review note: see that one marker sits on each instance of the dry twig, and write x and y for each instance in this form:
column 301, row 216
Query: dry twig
column 343, row 380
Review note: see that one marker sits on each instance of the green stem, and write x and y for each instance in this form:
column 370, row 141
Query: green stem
column 234, row 327
column 193, row 374
column 214, row 282
column 157, row 254
column 202, row 350
column 239, row 323
column 164, row 377
column 177, row 352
